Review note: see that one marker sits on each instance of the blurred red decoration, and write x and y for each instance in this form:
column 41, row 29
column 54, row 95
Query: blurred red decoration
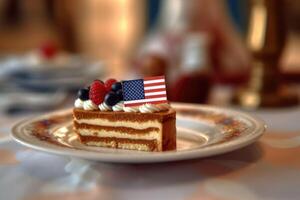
column 191, row 88
column 48, row 50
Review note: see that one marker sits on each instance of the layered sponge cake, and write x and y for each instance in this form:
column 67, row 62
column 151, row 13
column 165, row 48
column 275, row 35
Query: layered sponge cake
column 125, row 130
column 101, row 118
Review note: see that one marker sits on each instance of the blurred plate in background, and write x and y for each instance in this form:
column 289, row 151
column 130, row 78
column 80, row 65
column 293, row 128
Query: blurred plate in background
column 72, row 73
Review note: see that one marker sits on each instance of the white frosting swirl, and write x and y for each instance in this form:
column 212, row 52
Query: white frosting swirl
column 89, row 105
column 119, row 106
column 151, row 108
column 104, row 107
column 163, row 106
column 78, row 103
column 145, row 108
column 131, row 109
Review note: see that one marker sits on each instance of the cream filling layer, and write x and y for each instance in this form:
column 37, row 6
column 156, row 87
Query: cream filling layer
column 153, row 135
column 102, row 144
column 140, row 147
column 129, row 124
column 131, row 146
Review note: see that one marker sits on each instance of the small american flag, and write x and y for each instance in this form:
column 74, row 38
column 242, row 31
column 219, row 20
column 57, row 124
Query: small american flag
column 148, row 90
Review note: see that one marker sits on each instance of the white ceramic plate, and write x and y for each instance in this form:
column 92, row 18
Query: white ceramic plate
column 202, row 131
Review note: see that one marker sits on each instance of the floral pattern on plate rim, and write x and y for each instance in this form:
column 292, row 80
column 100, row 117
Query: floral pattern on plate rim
column 230, row 126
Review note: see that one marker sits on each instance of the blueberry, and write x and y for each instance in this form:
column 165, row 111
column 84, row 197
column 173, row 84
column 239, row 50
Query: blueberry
column 111, row 99
column 120, row 94
column 116, row 86
column 83, row 94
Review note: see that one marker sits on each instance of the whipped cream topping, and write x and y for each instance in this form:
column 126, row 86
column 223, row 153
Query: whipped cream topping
column 131, row 109
column 78, row 103
column 33, row 58
column 118, row 107
column 151, row 108
column 104, row 107
column 163, row 106
column 145, row 108
column 89, row 105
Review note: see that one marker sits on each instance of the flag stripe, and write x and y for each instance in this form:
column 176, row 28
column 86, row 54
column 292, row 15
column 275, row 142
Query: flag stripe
column 154, row 87
column 139, row 104
column 154, row 93
column 155, row 90
column 133, row 104
column 154, row 81
column 145, row 100
column 154, row 78
column 156, row 96
column 153, row 84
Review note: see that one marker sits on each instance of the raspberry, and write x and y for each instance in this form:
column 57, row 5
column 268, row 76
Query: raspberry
column 97, row 92
column 48, row 50
column 109, row 82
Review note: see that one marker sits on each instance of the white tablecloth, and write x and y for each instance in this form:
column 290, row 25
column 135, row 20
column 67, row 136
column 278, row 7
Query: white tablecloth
column 268, row 169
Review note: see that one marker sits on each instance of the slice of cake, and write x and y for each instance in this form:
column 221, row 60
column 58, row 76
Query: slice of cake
column 127, row 130
column 121, row 115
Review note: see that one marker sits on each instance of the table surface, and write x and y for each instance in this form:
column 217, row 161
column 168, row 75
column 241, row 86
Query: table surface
column 267, row 169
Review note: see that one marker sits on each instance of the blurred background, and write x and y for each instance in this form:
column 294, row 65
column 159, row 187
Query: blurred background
column 241, row 53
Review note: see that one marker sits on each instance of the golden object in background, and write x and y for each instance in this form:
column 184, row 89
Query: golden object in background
column 109, row 30
column 266, row 40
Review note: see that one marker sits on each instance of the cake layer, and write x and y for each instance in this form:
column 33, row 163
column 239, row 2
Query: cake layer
column 151, row 145
column 139, row 131
column 124, row 116
column 123, row 123
column 122, row 129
